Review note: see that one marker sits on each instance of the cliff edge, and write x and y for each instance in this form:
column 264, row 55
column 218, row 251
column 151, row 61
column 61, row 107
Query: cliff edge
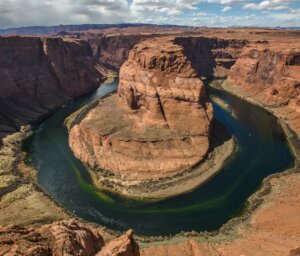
column 39, row 74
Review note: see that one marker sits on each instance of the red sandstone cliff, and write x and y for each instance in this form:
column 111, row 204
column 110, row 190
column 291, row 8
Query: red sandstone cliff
column 40, row 74
column 269, row 73
column 113, row 50
column 211, row 57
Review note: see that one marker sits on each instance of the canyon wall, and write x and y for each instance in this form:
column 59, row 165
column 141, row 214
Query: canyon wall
column 211, row 57
column 40, row 74
column 113, row 50
column 269, row 74
column 159, row 124
column 109, row 50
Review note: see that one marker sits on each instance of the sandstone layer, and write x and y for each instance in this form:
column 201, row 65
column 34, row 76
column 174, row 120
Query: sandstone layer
column 268, row 73
column 39, row 75
column 157, row 126
column 211, row 57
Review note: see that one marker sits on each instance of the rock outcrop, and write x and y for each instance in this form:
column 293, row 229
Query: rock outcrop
column 157, row 126
column 40, row 74
column 69, row 237
column 269, row 74
column 122, row 246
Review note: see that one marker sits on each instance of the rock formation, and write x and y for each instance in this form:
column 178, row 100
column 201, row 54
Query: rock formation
column 122, row 246
column 159, row 124
column 269, row 74
column 40, row 74
column 69, row 237
column 295, row 252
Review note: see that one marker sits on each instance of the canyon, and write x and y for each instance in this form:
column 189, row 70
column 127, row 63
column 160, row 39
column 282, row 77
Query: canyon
column 40, row 74
column 261, row 66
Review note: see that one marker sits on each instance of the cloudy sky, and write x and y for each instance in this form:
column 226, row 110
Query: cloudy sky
column 15, row 13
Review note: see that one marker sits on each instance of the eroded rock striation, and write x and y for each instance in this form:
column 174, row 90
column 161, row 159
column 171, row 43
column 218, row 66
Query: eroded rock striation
column 158, row 124
column 113, row 50
column 68, row 237
column 269, row 74
column 211, row 57
column 40, row 74
column 121, row 246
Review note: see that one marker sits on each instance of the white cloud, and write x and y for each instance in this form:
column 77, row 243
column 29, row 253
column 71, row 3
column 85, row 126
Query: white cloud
column 269, row 5
column 232, row 1
column 169, row 7
column 295, row 11
column 226, row 9
column 180, row 12
column 201, row 14
column 46, row 12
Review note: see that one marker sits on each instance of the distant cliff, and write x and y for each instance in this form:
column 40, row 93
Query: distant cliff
column 48, row 30
column 211, row 57
column 269, row 74
column 40, row 74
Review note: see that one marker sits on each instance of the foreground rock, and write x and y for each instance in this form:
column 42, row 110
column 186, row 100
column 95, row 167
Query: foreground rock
column 122, row 246
column 39, row 75
column 62, row 238
column 157, row 126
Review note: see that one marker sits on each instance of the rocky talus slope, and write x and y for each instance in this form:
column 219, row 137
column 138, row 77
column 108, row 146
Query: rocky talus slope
column 269, row 74
column 40, row 74
column 158, row 125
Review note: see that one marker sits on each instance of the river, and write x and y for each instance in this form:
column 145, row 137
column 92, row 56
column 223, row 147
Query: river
column 262, row 150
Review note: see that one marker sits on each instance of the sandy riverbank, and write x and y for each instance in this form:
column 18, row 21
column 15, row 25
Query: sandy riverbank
column 22, row 201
